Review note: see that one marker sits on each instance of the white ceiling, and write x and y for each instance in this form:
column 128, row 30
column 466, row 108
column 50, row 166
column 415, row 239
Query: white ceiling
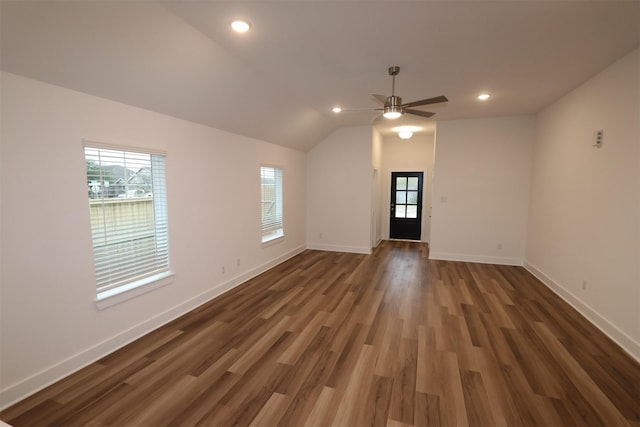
column 279, row 82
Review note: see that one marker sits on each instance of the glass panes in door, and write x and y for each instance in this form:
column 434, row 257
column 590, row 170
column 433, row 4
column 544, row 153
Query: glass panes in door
column 406, row 197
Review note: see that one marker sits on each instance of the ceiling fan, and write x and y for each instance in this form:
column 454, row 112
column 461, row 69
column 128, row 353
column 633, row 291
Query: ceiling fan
column 393, row 106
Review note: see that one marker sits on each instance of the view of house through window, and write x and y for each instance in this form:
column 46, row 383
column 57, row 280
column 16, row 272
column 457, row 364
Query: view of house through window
column 271, row 187
column 128, row 212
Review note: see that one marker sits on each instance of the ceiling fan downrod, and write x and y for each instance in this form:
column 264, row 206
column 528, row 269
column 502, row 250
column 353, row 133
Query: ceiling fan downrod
column 393, row 72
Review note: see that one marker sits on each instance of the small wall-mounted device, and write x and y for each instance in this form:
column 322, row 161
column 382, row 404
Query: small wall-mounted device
column 597, row 138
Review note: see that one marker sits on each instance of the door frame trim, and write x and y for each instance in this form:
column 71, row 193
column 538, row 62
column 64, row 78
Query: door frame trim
column 426, row 214
column 421, row 176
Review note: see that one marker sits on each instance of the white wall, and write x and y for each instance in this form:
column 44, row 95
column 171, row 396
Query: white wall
column 413, row 155
column 584, row 217
column 481, row 189
column 377, row 190
column 339, row 181
column 49, row 323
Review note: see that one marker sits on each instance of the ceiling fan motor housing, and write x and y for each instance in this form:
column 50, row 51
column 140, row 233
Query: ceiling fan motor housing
column 393, row 104
column 393, row 101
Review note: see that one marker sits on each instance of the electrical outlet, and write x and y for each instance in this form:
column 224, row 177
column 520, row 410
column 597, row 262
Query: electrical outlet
column 222, row 269
column 321, row 235
column 584, row 285
column 238, row 262
column 499, row 246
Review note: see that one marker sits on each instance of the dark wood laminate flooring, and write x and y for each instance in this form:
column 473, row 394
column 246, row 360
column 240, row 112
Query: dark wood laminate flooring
column 352, row 340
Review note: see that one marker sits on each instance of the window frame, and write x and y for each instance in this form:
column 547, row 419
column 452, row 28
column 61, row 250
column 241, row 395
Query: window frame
column 277, row 233
column 113, row 293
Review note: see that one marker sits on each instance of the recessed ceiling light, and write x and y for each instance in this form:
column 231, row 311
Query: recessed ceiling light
column 484, row 96
column 240, row 26
column 336, row 109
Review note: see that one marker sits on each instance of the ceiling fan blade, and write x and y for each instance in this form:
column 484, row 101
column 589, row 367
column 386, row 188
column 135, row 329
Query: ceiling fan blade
column 379, row 98
column 428, row 101
column 359, row 110
column 419, row 113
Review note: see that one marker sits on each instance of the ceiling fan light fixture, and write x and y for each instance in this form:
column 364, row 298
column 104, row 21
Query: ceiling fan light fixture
column 336, row 109
column 392, row 112
column 405, row 134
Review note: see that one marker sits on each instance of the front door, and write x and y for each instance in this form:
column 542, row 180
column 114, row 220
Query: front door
column 406, row 205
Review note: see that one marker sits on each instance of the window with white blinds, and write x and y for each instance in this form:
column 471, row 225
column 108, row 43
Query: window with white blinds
column 128, row 211
column 271, row 187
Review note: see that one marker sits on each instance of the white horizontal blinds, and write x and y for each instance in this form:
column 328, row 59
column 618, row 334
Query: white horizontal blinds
column 160, row 211
column 127, row 201
column 271, row 185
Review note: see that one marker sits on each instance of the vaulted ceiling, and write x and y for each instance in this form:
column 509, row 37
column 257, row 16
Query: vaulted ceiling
column 279, row 81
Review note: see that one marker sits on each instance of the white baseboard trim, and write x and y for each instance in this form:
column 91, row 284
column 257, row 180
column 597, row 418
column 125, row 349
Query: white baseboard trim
column 24, row 388
column 481, row 259
column 338, row 248
column 627, row 343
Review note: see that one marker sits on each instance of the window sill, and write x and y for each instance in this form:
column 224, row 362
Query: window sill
column 272, row 240
column 132, row 290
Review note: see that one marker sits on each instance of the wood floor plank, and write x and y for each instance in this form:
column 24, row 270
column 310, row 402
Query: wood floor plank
column 339, row 314
column 453, row 409
column 541, row 380
column 280, row 303
column 377, row 402
column 161, row 409
column 204, row 405
column 500, row 403
column 388, row 348
column 88, row 393
column 304, row 381
column 403, row 398
column 520, row 396
column 498, row 312
column 427, row 411
column 340, row 339
column 323, row 409
column 103, row 406
column 253, row 353
column 351, row 411
column 476, row 399
column 299, row 345
column 307, row 390
column 609, row 414
column 272, row 411
column 46, row 397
